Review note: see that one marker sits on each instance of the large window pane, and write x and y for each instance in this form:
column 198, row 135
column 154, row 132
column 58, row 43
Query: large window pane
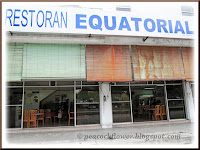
column 144, row 100
column 174, row 92
column 121, row 104
column 56, row 104
column 121, row 112
column 87, row 105
column 13, row 115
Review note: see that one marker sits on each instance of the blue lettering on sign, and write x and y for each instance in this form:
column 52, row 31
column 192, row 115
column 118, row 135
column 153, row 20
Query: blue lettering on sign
column 24, row 18
column 153, row 25
column 170, row 26
column 48, row 18
column 161, row 24
column 42, row 17
column 65, row 21
column 31, row 11
column 136, row 20
column 187, row 28
column 16, row 17
column 78, row 21
column 96, row 25
column 113, row 27
column 126, row 25
column 9, row 17
column 56, row 19
column 179, row 27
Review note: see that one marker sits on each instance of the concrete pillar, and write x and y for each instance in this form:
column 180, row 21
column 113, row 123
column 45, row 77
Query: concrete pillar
column 189, row 102
column 106, row 117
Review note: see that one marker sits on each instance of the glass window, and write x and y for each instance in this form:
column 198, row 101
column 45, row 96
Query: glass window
column 14, row 114
column 177, row 113
column 14, row 96
column 87, row 105
column 63, row 83
column 121, row 104
column 174, row 92
column 54, row 104
column 14, row 83
column 144, row 100
column 175, row 103
column 36, row 83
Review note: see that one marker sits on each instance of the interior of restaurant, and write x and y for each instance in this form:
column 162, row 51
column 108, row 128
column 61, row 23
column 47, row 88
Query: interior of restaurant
column 144, row 102
column 54, row 105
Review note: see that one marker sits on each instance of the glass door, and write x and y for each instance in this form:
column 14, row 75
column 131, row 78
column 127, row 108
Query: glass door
column 175, row 101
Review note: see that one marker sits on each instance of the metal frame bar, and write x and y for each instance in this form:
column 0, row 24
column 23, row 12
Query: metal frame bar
column 22, row 123
column 131, row 103
column 74, row 104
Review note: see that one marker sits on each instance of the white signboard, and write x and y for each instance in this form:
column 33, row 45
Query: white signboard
column 91, row 21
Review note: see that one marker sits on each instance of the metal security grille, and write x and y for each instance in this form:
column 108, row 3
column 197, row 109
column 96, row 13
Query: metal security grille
column 14, row 62
column 157, row 63
column 188, row 60
column 54, row 61
column 108, row 63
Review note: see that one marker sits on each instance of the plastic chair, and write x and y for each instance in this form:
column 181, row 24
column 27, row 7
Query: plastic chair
column 156, row 113
column 26, row 118
column 163, row 111
column 33, row 118
column 48, row 115
column 41, row 117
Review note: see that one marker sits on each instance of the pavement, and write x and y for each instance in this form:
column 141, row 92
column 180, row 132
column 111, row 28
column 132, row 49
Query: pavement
column 140, row 135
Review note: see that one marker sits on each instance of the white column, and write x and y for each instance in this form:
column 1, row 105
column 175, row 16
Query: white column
column 189, row 103
column 106, row 118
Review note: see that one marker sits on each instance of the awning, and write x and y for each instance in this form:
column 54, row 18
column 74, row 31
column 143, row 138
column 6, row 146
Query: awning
column 157, row 63
column 188, row 60
column 108, row 63
column 54, row 61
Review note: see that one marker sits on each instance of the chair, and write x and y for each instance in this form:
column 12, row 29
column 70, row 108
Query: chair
column 163, row 111
column 41, row 117
column 26, row 118
column 33, row 118
column 48, row 115
column 71, row 116
column 156, row 114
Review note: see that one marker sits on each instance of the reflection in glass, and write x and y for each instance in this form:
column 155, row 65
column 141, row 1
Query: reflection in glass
column 121, row 112
column 174, row 92
column 87, row 105
column 175, row 103
column 14, row 96
column 121, row 104
column 177, row 113
column 13, row 115
column 144, row 100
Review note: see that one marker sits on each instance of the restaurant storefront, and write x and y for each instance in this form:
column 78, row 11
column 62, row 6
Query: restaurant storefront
column 76, row 100
column 71, row 80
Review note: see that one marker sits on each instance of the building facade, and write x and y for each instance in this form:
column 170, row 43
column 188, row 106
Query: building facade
column 103, row 72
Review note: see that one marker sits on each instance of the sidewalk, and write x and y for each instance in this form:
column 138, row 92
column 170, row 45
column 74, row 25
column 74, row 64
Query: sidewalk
column 173, row 132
